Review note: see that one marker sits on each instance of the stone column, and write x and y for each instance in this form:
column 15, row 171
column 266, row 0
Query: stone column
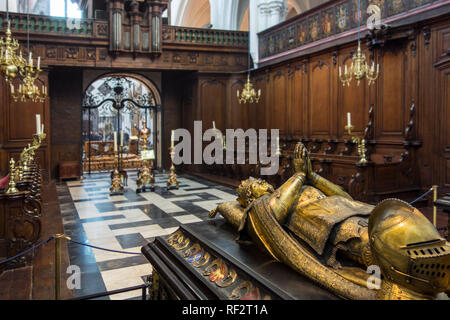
column 263, row 15
column 276, row 12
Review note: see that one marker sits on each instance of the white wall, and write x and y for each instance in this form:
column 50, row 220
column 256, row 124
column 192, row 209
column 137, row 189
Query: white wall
column 12, row 5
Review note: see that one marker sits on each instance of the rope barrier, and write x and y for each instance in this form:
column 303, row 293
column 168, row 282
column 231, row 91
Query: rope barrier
column 104, row 249
column 123, row 252
column 53, row 237
column 422, row 196
column 28, row 250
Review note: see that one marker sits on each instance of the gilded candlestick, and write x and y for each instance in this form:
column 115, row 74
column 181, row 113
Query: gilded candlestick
column 173, row 181
column 361, row 144
column 116, row 179
column 12, row 178
column 145, row 173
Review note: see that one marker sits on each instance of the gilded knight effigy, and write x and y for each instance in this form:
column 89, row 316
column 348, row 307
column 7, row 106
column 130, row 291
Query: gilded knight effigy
column 318, row 230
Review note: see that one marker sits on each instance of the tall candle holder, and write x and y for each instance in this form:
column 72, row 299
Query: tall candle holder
column 173, row 181
column 145, row 173
column 116, row 179
column 12, row 178
column 145, row 177
column 27, row 155
column 361, row 144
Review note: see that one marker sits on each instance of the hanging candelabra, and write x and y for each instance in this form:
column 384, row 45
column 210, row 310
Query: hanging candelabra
column 359, row 69
column 13, row 65
column 28, row 90
column 10, row 62
column 249, row 94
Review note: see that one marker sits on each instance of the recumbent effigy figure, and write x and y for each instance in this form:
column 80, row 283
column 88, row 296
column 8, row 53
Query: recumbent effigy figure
column 317, row 229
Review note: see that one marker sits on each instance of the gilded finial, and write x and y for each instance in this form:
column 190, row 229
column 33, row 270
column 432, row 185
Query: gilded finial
column 12, row 178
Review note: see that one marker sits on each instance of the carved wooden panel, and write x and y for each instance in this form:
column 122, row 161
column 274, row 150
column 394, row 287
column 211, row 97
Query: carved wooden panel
column 278, row 105
column 299, row 97
column 444, row 103
column 320, row 93
column 24, row 115
column 236, row 113
column 443, row 44
column 212, row 100
column 257, row 111
column 391, row 95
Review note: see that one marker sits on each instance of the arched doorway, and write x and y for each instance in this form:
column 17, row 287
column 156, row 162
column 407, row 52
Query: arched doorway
column 114, row 109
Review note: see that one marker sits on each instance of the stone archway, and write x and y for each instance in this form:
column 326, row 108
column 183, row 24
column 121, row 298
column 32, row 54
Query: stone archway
column 100, row 123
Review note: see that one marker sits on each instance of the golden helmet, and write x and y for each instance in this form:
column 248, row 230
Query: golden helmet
column 408, row 248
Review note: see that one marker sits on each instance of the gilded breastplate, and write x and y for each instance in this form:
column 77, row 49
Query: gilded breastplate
column 316, row 216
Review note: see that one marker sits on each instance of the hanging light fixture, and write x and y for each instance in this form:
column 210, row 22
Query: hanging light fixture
column 28, row 90
column 359, row 67
column 249, row 94
column 9, row 60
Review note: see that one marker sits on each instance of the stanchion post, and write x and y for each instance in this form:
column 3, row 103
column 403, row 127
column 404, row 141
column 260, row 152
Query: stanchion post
column 435, row 195
column 57, row 267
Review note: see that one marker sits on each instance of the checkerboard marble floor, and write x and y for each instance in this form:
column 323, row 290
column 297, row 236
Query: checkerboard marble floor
column 126, row 223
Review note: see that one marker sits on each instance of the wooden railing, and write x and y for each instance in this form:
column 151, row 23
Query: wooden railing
column 209, row 37
column 48, row 25
column 98, row 29
column 327, row 20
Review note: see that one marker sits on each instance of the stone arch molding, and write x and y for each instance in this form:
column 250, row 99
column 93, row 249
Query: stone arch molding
column 216, row 14
column 229, row 14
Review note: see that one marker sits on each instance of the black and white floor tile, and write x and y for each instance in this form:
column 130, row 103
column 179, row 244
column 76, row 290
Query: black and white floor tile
column 126, row 223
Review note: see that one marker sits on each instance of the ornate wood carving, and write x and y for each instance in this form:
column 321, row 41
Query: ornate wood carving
column 316, row 145
column 426, row 35
column 349, row 148
column 356, row 186
column 332, row 146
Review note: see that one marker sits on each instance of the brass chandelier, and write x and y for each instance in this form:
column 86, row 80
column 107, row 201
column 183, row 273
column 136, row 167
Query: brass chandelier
column 12, row 65
column 9, row 60
column 359, row 67
column 249, row 94
column 28, row 90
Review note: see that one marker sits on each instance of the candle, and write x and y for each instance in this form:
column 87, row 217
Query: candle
column 214, row 124
column 38, row 123
column 340, row 71
column 42, row 129
column 115, row 141
column 172, row 139
column 39, row 63
column 30, row 59
column 121, row 138
column 349, row 119
column 12, row 89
